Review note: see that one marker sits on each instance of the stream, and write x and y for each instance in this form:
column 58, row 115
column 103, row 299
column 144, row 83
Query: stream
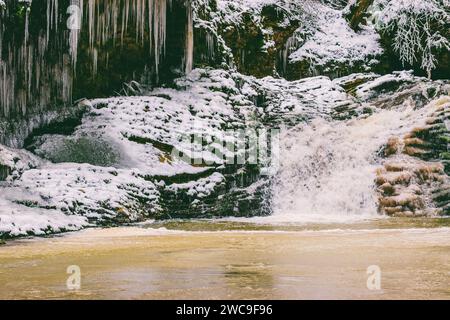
column 235, row 259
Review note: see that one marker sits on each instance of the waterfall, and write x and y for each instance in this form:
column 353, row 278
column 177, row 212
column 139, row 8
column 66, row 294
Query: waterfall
column 328, row 168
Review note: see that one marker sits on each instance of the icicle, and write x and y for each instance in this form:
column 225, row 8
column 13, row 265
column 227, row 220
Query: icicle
column 94, row 62
column 189, row 47
column 210, row 49
column 291, row 45
column 37, row 70
column 74, row 26
column 147, row 17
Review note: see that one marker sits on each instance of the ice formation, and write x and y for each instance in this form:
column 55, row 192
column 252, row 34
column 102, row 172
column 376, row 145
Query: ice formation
column 41, row 65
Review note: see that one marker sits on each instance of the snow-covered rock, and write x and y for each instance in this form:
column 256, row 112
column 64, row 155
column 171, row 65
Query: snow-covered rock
column 14, row 162
column 335, row 48
column 151, row 156
column 122, row 162
column 296, row 39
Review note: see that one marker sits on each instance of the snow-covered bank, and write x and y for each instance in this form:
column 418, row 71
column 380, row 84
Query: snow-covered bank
column 124, row 148
column 118, row 165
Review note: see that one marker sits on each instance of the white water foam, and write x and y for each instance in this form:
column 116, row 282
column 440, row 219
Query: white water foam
column 327, row 169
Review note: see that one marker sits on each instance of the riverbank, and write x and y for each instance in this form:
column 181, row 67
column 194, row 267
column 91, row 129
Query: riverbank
column 234, row 260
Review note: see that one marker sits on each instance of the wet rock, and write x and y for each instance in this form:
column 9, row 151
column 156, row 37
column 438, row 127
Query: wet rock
column 393, row 146
column 357, row 12
column 257, row 41
column 414, row 180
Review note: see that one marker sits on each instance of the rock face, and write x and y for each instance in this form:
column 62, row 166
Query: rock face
column 357, row 12
column 408, row 186
column 295, row 39
column 298, row 39
column 250, row 36
column 414, row 180
column 334, row 49
column 49, row 58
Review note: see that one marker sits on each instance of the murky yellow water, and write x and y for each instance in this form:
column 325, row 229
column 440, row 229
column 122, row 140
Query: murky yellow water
column 233, row 261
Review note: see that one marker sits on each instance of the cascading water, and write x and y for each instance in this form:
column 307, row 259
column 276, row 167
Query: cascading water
column 328, row 168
